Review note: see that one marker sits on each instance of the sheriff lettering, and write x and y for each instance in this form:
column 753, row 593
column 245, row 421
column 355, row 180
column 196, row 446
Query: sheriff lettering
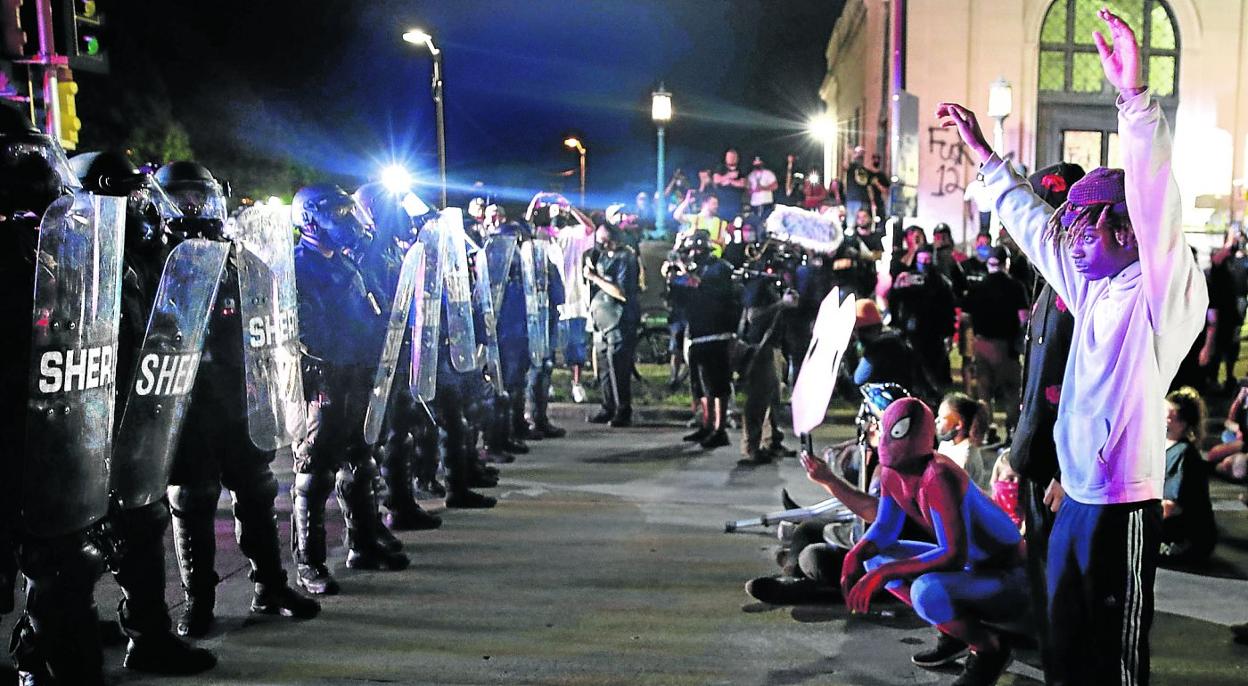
column 68, row 371
column 269, row 330
column 166, row 374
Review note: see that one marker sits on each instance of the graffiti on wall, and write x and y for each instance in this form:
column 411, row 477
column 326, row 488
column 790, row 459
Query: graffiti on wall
column 949, row 162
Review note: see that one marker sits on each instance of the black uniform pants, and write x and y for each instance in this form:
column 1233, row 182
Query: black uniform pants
column 60, row 630
column 334, row 444
column 215, row 450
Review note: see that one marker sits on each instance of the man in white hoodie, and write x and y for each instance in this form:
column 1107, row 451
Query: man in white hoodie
column 1115, row 254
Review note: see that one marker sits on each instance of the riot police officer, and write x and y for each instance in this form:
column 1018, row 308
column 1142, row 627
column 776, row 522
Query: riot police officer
column 335, row 306
column 502, row 250
column 548, row 221
column 380, row 264
column 139, row 565
column 57, row 637
column 214, row 448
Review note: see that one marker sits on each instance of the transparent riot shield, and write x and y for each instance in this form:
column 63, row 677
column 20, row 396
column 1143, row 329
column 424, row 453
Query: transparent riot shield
column 533, row 263
column 412, row 273
column 426, row 327
column 483, row 296
column 461, row 339
column 500, row 252
column 167, row 363
column 69, row 417
column 276, row 413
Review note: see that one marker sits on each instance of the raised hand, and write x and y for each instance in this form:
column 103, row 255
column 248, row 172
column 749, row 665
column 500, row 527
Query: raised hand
column 953, row 114
column 1121, row 59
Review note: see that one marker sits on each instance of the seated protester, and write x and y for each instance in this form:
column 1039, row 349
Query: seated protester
column 975, row 571
column 712, row 312
column 1228, row 458
column 810, row 566
column 961, row 423
column 1188, row 533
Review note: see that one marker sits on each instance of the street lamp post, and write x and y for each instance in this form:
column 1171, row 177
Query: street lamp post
column 1000, row 105
column 575, row 144
column 823, row 129
column 419, row 37
column 661, row 113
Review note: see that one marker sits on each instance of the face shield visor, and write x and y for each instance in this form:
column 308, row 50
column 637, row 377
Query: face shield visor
column 34, row 171
column 202, row 204
column 343, row 221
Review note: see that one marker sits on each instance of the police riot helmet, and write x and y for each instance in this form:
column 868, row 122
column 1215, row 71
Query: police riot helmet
column 387, row 210
column 329, row 218
column 198, row 195
column 148, row 207
column 33, row 167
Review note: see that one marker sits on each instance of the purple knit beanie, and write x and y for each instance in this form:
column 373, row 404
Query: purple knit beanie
column 1101, row 186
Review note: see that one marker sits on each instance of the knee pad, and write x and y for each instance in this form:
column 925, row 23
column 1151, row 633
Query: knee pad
column 144, row 524
column 257, row 493
column 187, row 501
column 313, row 486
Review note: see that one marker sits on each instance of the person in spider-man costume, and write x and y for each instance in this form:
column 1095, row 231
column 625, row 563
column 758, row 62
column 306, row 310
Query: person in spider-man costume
column 975, row 571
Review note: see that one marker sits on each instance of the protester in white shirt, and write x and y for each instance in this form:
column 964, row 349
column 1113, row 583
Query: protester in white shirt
column 762, row 184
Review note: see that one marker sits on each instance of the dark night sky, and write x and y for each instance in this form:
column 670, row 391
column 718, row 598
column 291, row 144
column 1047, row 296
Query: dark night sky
column 330, row 84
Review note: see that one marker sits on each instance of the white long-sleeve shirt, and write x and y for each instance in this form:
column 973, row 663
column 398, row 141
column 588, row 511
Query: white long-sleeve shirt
column 1131, row 330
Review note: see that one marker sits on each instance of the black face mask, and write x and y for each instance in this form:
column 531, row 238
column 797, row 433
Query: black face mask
column 948, row 435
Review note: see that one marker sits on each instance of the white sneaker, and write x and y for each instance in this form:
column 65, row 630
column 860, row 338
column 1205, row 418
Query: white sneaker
column 578, row 393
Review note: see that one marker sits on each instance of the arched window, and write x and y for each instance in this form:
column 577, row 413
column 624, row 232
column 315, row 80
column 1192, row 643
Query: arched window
column 1076, row 118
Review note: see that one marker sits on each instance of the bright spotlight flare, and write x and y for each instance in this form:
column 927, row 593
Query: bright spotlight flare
column 396, row 179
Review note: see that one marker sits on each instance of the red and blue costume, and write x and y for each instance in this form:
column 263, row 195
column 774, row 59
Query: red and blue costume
column 974, row 572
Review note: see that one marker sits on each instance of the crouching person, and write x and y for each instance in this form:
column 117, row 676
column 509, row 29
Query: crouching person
column 972, row 575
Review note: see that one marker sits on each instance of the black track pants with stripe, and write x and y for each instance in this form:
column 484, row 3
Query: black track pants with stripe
column 1101, row 567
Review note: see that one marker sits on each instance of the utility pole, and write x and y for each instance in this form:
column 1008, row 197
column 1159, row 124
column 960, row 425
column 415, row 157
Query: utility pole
column 49, row 61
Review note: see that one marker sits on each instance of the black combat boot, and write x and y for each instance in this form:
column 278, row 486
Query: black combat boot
column 307, row 526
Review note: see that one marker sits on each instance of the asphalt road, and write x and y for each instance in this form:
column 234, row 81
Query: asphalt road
column 606, row 563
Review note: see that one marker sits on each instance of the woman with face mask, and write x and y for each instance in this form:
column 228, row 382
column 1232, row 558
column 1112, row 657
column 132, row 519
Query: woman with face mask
column 961, row 423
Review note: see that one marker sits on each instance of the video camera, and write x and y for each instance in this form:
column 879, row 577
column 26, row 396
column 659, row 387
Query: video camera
column 771, row 259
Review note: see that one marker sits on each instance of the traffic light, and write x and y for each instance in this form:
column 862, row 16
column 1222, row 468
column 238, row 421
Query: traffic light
column 83, row 35
column 70, row 123
column 13, row 37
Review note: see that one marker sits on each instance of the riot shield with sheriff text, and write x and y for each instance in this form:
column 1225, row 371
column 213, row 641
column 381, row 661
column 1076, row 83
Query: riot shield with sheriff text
column 462, row 340
column 411, row 274
column 164, row 375
column 276, row 410
column 483, row 296
column 74, row 325
column 534, row 262
column 423, row 375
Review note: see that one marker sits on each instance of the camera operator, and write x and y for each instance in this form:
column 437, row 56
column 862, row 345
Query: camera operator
column 712, row 311
column 767, row 298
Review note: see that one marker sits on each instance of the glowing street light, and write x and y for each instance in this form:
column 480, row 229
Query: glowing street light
column 421, row 37
column 395, row 178
column 823, row 128
column 661, row 113
column 575, row 144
